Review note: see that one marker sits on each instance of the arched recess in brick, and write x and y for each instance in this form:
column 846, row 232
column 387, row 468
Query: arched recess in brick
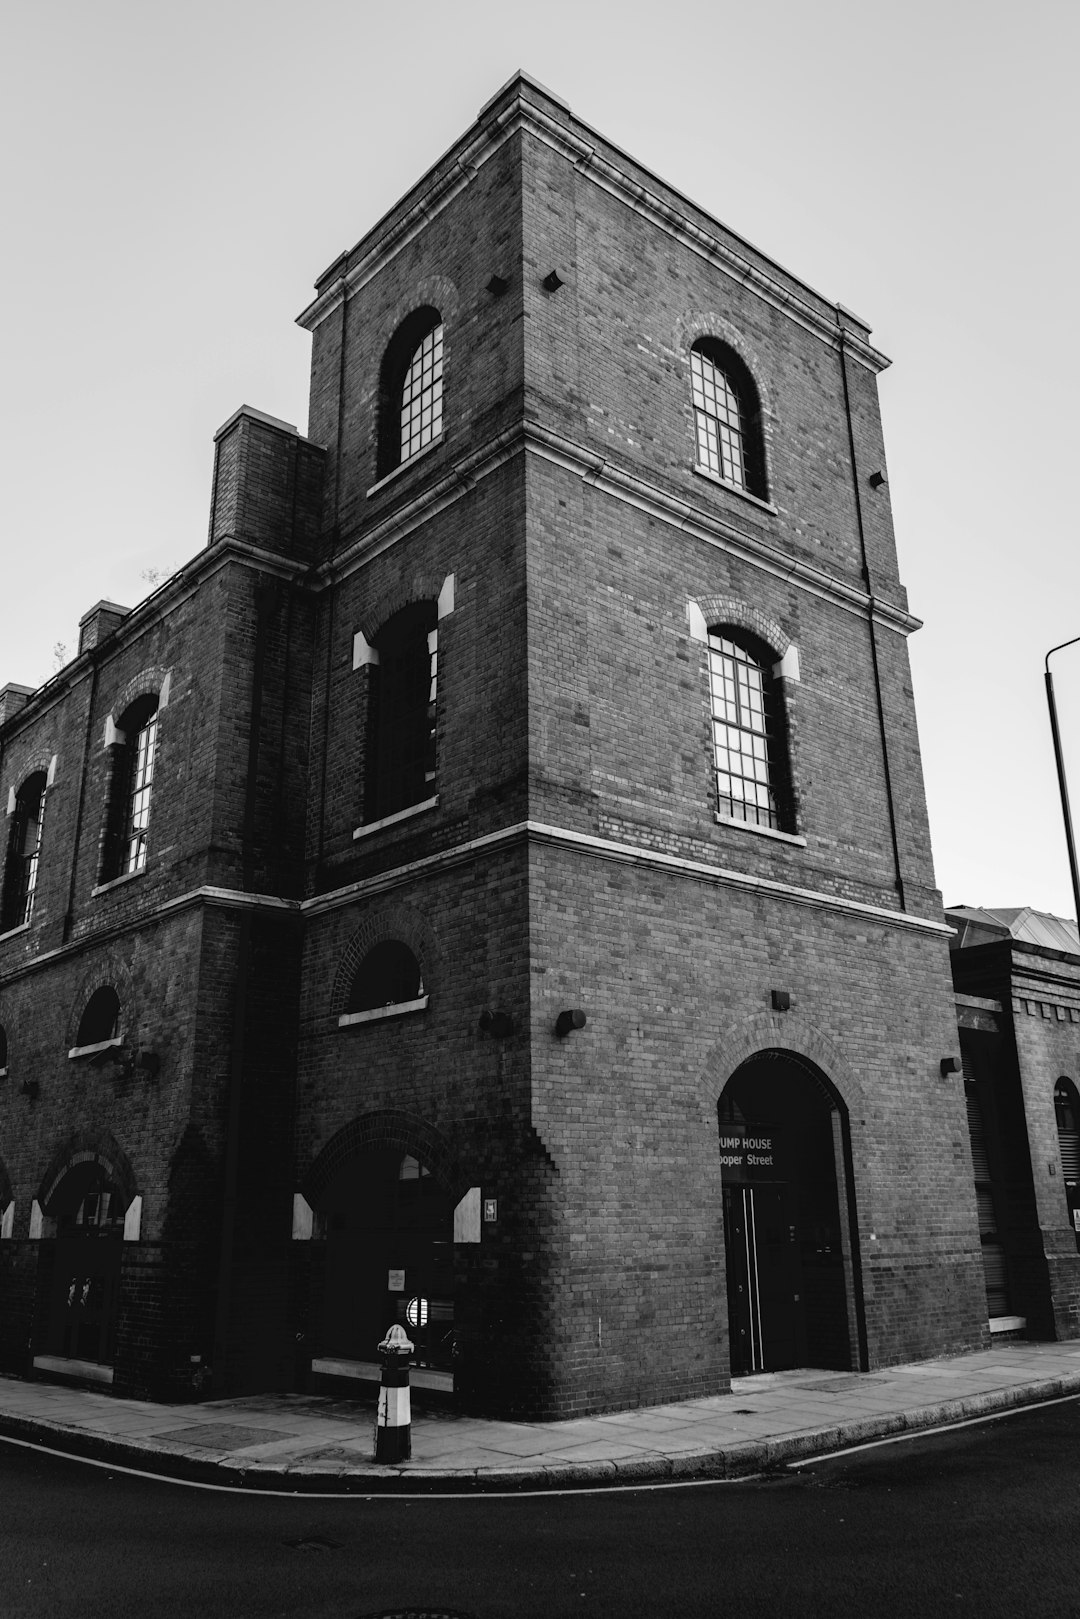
column 383, row 1128
column 87, row 1147
column 393, row 921
column 109, row 973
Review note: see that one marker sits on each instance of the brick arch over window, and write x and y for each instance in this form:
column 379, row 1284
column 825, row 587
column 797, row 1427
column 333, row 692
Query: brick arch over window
column 109, row 973
column 386, row 1128
column 153, row 681
column 88, row 1147
column 435, row 291
column 695, row 325
column 413, row 592
column 740, row 615
column 395, row 922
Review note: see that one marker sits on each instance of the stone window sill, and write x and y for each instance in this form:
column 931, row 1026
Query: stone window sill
column 398, row 815
column 94, row 1050
column 376, row 1013
column 735, row 489
column 115, row 882
column 760, row 831
column 23, row 927
column 400, row 471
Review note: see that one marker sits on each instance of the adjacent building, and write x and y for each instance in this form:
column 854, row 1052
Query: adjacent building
column 1017, row 977
column 489, row 887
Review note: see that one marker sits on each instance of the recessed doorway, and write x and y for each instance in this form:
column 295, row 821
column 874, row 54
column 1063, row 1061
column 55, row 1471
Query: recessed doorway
column 790, row 1253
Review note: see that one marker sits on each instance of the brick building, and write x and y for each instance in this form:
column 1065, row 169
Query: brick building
column 1017, row 978
column 489, row 886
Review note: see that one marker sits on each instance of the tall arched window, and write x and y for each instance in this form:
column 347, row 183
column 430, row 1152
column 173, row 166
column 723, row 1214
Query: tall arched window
column 400, row 758
column 23, row 852
column 749, row 740
column 411, row 389
column 1067, row 1115
column 727, row 417
column 134, row 748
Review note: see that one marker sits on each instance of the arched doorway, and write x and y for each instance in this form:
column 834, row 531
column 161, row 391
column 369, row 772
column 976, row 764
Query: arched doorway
column 389, row 1228
column 88, row 1208
column 788, row 1235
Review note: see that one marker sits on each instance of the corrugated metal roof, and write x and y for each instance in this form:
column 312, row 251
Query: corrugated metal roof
column 980, row 924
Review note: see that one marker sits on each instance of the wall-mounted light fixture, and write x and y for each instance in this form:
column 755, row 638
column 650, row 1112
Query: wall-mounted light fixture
column 950, row 1065
column 877, row 479
column 781, row 1000
column 497, row 285
column 552, row 281
column 569, row 1020
column 497, row 1024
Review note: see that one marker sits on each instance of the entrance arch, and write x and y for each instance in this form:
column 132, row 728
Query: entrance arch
column 384, row 1192
column 87, row 1207
column 790, row 1236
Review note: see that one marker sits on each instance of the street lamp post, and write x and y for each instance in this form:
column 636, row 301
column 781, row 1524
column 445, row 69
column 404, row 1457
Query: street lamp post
column 1060, row 762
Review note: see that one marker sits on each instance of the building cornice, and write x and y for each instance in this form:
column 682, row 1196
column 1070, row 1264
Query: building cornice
column 605, row 166
column 656, row 503
column 535, row 833
column 540, row 834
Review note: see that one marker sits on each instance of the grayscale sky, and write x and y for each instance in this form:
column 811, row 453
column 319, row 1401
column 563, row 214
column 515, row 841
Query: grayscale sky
column 175, row 176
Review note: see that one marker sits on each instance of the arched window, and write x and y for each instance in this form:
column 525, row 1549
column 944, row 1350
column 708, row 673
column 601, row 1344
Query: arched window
column 24, row 848
column 400, row 756
column 411, row 389
column 1067, row 1115
column 727, row 417
column 134, row 747
column 101, row 1018
column 749, row 740
column 389, row 975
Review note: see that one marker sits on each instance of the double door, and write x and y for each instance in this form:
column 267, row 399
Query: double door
column 85, row 1294
column 765, row 1306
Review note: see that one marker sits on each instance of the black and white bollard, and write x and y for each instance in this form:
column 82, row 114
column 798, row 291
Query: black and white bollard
column 393, row 1421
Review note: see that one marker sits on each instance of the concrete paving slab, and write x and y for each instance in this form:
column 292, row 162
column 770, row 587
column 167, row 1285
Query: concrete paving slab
column 311, row 1442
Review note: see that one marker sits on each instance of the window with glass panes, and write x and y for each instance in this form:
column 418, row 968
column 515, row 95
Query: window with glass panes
column 421, row 395
column 137, row 820
column 718, row 420
column 24, row 849
column 745, row 723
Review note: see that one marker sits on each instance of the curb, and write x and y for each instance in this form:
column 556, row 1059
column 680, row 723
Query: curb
column 745, row 1460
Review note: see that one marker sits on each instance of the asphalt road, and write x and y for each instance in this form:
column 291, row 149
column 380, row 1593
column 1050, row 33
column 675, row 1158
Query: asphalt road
column 984, row 1520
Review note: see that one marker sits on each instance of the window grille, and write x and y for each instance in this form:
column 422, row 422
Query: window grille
column 719, row 420
column 746, row 741
column 421, row 395
column 137, row 820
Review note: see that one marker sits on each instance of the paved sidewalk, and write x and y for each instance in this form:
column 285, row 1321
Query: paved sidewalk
column 311, row 1443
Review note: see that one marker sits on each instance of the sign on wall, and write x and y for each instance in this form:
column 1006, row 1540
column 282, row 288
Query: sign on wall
column 748, row 1156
